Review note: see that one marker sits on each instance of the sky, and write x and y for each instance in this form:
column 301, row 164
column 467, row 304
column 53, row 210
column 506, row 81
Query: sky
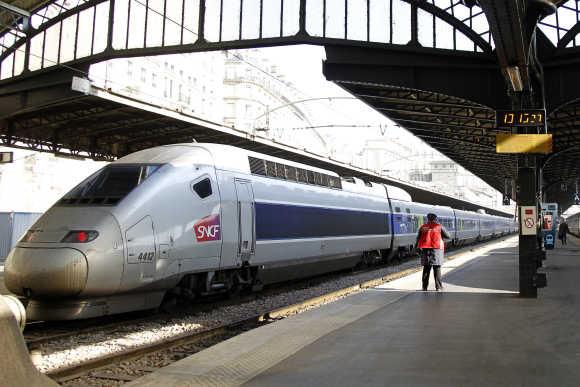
column 306, row 75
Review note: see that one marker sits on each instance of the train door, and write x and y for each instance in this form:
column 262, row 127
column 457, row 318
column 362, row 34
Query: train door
column 141, row 252
column 246, row 221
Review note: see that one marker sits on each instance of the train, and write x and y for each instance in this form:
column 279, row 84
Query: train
column 191, row 220
column 573, row 223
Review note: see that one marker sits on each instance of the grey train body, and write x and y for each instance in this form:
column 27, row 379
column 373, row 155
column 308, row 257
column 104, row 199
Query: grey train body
column 188, row 220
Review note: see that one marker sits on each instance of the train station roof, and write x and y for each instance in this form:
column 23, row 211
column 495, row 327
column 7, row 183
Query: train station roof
column 102, row 125
column 442, row 72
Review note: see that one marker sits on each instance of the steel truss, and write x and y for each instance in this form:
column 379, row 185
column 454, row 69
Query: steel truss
column 95, row 30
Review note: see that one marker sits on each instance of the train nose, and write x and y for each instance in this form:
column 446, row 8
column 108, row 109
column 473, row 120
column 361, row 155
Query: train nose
column 45, row 272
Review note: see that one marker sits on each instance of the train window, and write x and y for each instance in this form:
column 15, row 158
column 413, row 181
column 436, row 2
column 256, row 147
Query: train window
column 317, row 178
column 290, row 173
column 109, row 185
column 335, row 182
column 257, row 166
column 203, row 188
column 407, row 210
column 280, row 171
column 271, row 168
column 287, row 172
column 397, row 209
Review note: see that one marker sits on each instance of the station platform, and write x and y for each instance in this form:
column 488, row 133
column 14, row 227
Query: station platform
column 477, row 332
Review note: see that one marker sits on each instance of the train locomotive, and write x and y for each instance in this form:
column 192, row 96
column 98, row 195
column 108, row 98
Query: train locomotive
column 190, row 220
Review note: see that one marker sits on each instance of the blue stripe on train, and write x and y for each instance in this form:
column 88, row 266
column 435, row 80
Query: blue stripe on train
column 285, row 221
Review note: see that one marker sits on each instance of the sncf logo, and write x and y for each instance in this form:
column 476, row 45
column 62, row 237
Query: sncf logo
column 208, row 229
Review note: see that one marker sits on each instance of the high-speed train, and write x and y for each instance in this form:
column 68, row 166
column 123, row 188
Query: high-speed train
column 574, row 223
column 189, row 220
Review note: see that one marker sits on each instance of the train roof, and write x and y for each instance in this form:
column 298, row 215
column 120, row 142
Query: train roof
column 225, row 157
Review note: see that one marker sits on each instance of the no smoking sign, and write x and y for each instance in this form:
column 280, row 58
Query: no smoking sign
column 528, row 215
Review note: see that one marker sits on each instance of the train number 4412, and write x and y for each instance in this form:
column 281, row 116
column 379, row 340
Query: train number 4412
column 146, row 257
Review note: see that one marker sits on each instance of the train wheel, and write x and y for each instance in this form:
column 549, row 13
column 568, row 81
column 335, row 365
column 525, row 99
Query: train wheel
column 169, row 304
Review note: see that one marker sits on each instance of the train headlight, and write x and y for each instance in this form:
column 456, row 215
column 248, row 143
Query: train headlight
column 80, row 236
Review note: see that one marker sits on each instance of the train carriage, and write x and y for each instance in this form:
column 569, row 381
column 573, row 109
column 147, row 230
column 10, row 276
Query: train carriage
column 188, row 220
column 574, row 223
column 467, row 226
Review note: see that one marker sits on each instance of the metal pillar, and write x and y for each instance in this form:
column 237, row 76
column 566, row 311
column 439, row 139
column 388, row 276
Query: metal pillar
column 528, row 243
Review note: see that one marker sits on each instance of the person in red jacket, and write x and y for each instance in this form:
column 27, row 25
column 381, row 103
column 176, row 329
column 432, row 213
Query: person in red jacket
column 432, row 247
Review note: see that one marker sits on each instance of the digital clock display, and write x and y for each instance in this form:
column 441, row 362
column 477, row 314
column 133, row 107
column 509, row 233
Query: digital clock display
column 512, row 118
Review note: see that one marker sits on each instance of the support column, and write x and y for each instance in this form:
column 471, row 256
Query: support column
column 528, row 243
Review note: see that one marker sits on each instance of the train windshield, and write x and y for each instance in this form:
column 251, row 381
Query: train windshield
column 109, row 185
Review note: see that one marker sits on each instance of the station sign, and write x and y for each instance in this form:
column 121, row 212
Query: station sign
column 6, row 157
column 528, row 219
column 519, row 118
column 523, row 143
column 547, row 221
column 506, row 199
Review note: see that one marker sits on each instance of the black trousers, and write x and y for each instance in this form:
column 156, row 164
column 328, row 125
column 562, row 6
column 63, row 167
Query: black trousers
column 436, row 275
column 564, row 238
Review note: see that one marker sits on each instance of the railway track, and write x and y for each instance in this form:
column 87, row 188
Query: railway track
column 130, row 363
column 38, row 333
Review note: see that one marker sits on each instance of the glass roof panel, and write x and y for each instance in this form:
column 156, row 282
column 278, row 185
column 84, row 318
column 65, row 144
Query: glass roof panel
column 473, row 17
column 555, row 26
column 38, row 17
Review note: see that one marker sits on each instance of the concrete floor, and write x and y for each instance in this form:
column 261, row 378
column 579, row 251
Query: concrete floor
column 478, row 332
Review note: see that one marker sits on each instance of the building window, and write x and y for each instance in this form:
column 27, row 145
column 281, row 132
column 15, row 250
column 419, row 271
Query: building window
column 143, row 75
column 231, row 110
column 154, row 80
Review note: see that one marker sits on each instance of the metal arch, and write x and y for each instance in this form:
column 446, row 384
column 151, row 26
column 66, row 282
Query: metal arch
column 199, row 41
column 38, row 9
column 562, row 165
column 46, row 25
column 569, row 36
column 571, row 33
column 29, row 9
column 453, row 21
